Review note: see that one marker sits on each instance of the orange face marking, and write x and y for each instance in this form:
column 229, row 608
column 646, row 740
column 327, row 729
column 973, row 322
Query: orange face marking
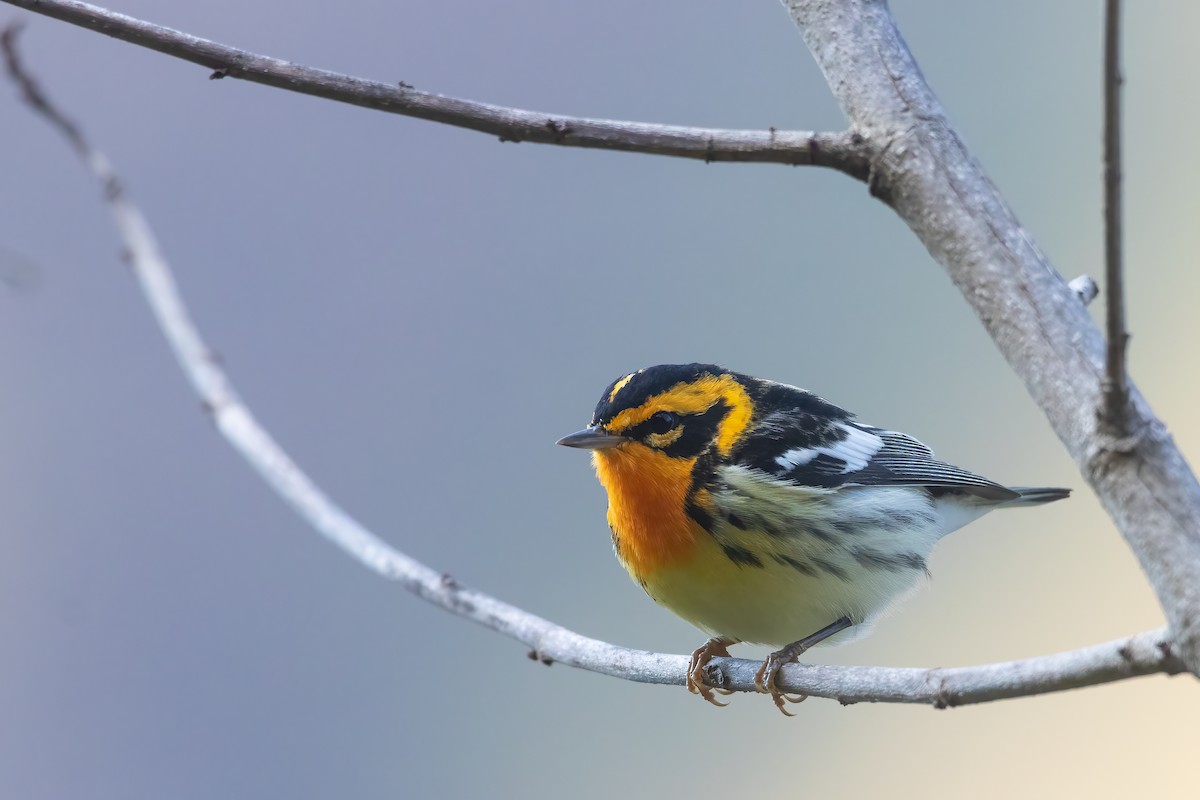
column 648, row 489
column 647, row 494
column 695, row 398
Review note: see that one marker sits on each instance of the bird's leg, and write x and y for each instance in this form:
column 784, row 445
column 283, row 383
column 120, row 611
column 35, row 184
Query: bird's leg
column 765, row 679
column 716, row 646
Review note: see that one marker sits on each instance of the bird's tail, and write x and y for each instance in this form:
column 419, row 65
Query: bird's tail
column 1035, row 496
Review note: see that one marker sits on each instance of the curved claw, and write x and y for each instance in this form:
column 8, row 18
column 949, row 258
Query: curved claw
column 764, row 680
column 707, row 694
column 699, row 662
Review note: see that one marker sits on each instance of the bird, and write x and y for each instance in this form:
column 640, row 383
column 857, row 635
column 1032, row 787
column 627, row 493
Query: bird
column 761, row 513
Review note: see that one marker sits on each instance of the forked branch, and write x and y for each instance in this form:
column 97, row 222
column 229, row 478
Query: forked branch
column 1143, row 654
column 930, row 178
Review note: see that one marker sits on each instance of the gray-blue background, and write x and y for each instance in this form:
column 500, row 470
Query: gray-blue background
column 419, row 312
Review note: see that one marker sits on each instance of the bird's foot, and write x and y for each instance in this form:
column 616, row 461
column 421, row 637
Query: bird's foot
column 764, row 680
column 696, row 683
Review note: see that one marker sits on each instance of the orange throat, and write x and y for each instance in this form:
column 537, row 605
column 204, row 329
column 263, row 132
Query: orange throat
column 647, row 507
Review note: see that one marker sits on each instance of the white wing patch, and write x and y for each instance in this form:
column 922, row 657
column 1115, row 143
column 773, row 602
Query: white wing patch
column 856, row 450
column 796, row 458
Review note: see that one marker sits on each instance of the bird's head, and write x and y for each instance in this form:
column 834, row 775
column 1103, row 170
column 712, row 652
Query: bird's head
column 674, row 411
column 656, row 436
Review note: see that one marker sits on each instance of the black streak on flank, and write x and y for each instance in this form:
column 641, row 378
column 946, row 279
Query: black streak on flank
column 702, row 517
column 874, row 559
column 799, row 566
column 904, row 520
column 849, row 527
column 819, row 531
column 741, row 556
column 893, row 562
column 914, row 561
column 826, row 534
column 831, row 568
column 760, row 524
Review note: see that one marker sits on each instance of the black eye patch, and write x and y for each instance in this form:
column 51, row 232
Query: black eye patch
column 661, row 422
column 658, row 423
column 699, row 430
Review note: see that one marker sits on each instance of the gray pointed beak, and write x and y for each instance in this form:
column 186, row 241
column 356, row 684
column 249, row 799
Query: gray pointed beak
column 591, row 438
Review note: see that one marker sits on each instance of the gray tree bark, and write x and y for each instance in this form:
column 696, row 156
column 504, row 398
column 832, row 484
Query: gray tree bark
column 922, row 169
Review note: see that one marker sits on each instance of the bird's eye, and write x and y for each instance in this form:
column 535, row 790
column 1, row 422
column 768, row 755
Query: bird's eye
column 662, row 422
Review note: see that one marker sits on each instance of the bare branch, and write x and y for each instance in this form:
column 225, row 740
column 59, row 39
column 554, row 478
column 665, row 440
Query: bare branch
column 925, row 172
column 840, row 150
column 1144, row 654
column 1115, row 413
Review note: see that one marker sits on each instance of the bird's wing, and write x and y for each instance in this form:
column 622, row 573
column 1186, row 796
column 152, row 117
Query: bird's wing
column 830, row 453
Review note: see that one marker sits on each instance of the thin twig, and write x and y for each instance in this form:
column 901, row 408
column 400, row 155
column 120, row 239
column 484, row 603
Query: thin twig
column 1116, row 388
column 842, row 151
column 1143, row 654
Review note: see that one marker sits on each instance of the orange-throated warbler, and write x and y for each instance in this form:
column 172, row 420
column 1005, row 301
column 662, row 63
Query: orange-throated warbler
column 761, row 513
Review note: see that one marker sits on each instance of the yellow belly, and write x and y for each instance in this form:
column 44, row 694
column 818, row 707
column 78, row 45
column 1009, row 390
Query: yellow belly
column 753, row 587
column 768, row 604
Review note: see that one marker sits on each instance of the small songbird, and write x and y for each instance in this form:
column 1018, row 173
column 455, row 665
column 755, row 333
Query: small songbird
column 761, row 513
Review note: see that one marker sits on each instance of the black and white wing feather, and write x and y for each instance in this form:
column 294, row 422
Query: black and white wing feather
column 831, row 451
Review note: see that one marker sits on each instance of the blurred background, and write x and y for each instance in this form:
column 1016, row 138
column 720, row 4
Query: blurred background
column 418, row 312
